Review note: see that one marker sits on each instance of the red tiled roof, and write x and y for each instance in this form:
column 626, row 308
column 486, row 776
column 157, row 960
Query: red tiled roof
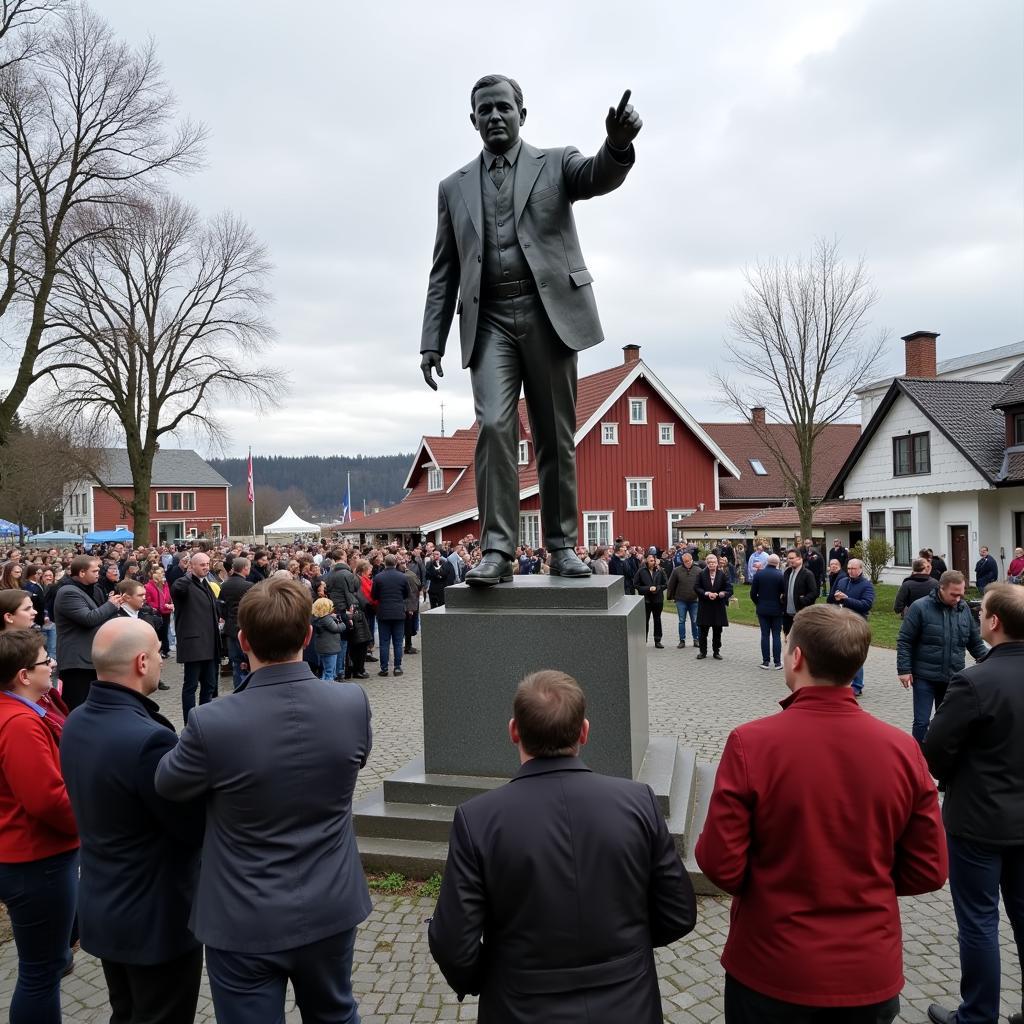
column 832, row 513
column 740, row 441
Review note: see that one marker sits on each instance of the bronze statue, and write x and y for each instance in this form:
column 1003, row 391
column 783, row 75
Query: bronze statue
column 507, row 260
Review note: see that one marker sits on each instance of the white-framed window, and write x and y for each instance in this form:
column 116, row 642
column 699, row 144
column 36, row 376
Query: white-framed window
column 193, row 532
column 435, row 479
column 609, row 433
column 758, row 467
column 524, row 453
column 638, row 410
column 215, row 531
column 529, row 529
column 666, row 433
column 639, row 493
column 597, row 529
column 175, row 501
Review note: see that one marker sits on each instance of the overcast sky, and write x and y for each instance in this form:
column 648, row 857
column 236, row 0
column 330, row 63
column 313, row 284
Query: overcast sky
column 894, row 125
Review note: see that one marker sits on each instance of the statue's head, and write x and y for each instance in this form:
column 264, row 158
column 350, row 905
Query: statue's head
column 497, row 111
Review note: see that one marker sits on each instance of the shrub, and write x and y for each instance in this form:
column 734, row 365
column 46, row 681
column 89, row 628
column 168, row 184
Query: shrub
column 876, row 553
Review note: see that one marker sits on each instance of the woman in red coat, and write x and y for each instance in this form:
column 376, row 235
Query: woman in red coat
column 158, row 597
column 38, row 837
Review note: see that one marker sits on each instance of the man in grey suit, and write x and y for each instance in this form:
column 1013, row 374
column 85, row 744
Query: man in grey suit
column 281, row 889
column 508, row 261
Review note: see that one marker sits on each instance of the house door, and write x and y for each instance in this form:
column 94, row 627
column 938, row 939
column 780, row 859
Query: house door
column 959, row 550
column 169, row 533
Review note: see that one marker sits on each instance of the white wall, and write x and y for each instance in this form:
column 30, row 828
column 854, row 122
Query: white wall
column 872, row 477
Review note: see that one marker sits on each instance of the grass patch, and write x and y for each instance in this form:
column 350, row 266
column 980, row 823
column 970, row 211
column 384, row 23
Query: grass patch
column 884, row 622
column 431, row 887
column 395, row 884
column 392, row 883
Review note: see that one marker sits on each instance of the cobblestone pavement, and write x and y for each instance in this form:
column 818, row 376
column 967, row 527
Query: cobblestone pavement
column 394, row 977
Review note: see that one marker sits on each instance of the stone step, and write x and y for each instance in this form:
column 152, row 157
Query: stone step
column 411, row 784
column 413, row 859
column 375, row 817
column 705, row 781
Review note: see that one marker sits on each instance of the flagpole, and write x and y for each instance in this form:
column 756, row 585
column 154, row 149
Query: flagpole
column 253, row 498
column 348, row 494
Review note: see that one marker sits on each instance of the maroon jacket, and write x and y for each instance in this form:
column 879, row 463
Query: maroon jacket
column 820, row 817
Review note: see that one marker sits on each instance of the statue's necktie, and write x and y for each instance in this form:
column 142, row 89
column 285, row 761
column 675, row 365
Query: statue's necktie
column 498, row 171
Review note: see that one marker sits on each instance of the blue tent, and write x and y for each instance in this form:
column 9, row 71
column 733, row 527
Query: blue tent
column 109, row 537
column 9, row 529
column 55, row 537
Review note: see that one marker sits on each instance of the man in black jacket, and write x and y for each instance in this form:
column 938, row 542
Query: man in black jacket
column 559, row 883
column 986, row 571
column 197, row 628
column 440, row 576
column 140, row 853
column 920, row 583
column 799, row 588
column 232, row 590
column 973, row 745
column 390, row 590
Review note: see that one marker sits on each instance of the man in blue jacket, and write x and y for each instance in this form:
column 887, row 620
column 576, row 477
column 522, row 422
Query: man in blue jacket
column 930, row 649
column 857, row 594
column 390, row 591
column 767, row 591
column 986, row 571
column 140, row 852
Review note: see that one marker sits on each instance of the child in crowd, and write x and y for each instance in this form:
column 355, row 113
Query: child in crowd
column 330, row 633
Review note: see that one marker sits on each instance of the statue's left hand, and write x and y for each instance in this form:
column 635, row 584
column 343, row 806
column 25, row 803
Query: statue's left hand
column 623, row 123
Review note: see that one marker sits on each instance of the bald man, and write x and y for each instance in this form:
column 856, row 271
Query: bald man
column 140, row 853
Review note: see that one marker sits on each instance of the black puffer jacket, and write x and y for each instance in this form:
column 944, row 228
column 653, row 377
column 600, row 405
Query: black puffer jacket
column 934, row 639
column 913, row 588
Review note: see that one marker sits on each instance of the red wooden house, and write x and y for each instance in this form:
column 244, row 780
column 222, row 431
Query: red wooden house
column 642, row 462
column 188, row 498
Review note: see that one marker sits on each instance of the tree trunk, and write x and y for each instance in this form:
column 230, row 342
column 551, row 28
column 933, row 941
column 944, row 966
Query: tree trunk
column 140, row 458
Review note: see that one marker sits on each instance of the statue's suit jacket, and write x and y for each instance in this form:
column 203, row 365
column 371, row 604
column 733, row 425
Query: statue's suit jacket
column 547, row 183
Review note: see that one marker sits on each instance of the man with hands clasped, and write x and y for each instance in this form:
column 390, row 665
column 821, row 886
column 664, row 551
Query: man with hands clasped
column 508, row 262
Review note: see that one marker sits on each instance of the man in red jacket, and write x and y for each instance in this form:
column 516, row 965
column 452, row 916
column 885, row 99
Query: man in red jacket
column 814, row 862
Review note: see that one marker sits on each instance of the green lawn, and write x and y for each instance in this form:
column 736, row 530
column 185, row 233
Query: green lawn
column 885, row 623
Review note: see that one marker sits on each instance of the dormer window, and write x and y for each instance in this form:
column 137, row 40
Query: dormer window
column 638, row 410
column 524, row 453
column 435, row 479
column 1018, row 428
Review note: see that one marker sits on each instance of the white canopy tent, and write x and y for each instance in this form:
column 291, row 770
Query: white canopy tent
column 291, row 525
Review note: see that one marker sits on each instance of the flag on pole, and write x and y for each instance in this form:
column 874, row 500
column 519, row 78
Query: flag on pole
column 346, row 505
column 250, row 493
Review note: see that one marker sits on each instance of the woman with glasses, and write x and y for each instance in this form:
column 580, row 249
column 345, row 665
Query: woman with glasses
column 38, row 838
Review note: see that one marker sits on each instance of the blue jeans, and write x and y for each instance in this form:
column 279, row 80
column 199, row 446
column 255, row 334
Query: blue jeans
column 50, row 636
column 392, row 634
column 41, row 896
column 858, row 680
column 201, row 674
column 237, row 657
column 771, row 632
column 329, row 665
column 249, row 988
column 925, row 694
column 687, row 610
column 976, row 875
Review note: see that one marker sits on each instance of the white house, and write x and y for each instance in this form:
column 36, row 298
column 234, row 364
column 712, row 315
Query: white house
column 940, row 464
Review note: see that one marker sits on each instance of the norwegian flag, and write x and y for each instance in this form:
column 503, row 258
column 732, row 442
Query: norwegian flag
column 250, row 493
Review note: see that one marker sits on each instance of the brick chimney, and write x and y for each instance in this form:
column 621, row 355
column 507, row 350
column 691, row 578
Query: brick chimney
column 757, row 416
column 630, row 354
column 920, row 353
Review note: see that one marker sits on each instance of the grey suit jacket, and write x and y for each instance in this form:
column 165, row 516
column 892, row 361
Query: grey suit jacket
column 277, row 761
column 548, row 182
column 78, row 613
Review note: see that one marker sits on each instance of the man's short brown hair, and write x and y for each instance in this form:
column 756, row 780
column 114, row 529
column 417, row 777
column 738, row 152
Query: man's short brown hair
column 274, row 617
column 919, row 564
column 129, row 587
column 19, row 648
column 80, row 563
column 950, row 578
column 549, row 708
column 833, row 641
column 1007, row 601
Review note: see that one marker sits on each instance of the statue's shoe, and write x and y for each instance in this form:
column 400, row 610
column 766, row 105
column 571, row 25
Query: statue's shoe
column 494, row 568
column 565, row 562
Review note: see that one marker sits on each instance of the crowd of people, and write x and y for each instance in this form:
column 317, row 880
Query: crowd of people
column 153, row 850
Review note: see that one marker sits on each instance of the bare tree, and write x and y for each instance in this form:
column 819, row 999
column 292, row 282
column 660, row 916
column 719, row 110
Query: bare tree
column 800, row 346
column 19, row 23
column 86, row 123
column 158, row 315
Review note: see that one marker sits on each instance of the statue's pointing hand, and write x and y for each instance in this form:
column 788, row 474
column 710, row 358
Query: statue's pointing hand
column 431, row 361
column 623, row 123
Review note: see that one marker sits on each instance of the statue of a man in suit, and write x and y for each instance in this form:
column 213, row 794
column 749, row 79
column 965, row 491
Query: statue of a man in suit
column 507, row 260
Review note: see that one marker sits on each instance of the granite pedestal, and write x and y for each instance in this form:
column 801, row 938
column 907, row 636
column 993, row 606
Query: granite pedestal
column 475, row 649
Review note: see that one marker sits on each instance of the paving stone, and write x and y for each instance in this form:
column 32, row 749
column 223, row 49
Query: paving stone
column 698, row 702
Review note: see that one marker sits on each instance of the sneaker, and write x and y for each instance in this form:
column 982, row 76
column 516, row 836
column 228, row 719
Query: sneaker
column 716, row 656
column 162, row 685
column 360, row 675
column 383, row 672
column 701, row 656
column 412, row 650
column 778, row 668
column 399, row 672
column 680, row 645
column 765, row 666
column 659, row 644
column 369, row 657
